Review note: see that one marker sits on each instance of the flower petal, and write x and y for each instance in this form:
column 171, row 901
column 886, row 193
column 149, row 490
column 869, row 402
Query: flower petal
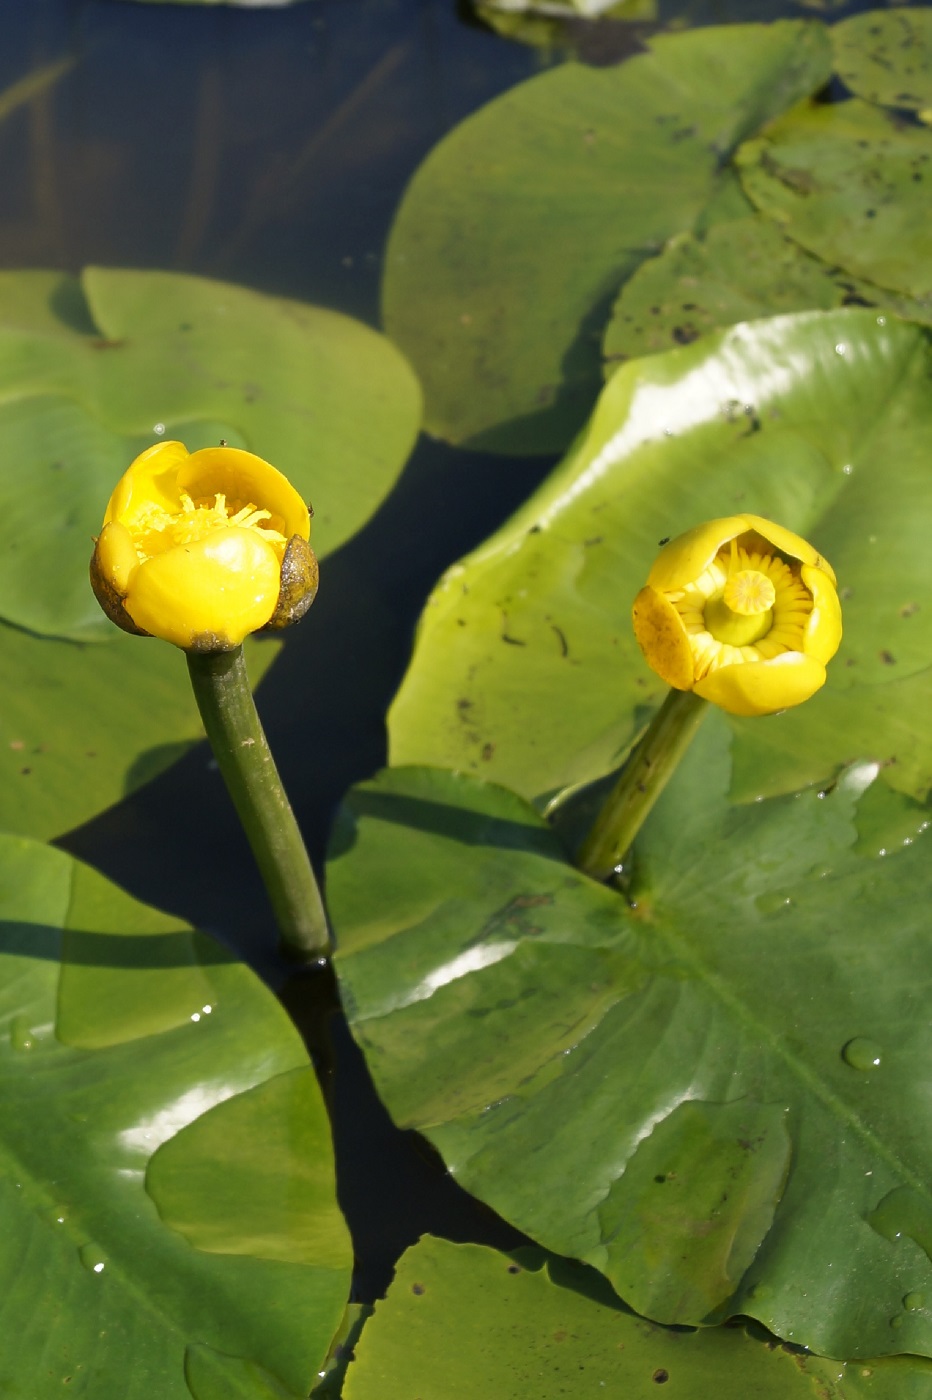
column 823, row 630
column 210, row 593
column 662, row 638
column 789, row 545
column 690, row 554
column 116, row 556
column 244, row 477
column 152, row 479
column 763, row 687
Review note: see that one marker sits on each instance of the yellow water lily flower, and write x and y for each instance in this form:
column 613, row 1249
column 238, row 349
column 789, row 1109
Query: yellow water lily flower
column 741, row 611
column 202, row 548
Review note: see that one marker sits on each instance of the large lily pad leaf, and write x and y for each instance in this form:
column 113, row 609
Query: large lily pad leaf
column 526, row 669
column 91, row 373
column 738, row 270
column 521, row 225
column 461, row 1321
column 849, row 181
column 326, row 399
column 714, row 1095
column 151, row 1235
column 886, row 56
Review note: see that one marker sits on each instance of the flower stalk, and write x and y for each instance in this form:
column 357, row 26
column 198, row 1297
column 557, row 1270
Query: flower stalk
column 224, row 698
column 646, row 773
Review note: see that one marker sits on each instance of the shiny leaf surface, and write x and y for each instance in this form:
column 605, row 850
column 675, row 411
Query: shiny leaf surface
column 526, row 669
column 712, row 1089
column 461, row 1321
column 518, row 229
column 147, row 1077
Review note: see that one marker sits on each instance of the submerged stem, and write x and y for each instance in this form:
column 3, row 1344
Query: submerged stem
column 645, row 775
column 225, row 701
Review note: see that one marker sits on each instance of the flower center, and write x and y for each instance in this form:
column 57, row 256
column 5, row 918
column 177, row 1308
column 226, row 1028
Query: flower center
column 742, row 612
column 156, row 530
column 748, row 605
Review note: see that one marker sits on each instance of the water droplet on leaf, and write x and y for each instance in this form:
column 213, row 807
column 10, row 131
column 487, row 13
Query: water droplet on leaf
column 904, row 1212
column 861, row 1053
column 92, row 1258
column 774, row 902
column 21, row 1036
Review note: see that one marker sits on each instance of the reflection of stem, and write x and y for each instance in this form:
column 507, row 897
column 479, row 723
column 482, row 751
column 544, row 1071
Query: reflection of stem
column 645, row 775
column 225, row 701
column 270, row 195
column 36, row 91
column 205, row 166
column 31, row 84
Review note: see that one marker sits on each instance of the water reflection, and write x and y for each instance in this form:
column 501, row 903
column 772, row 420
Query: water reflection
column 268, row 147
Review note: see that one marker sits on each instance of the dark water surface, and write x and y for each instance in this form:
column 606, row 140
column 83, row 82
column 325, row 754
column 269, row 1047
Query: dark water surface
column 270, row 147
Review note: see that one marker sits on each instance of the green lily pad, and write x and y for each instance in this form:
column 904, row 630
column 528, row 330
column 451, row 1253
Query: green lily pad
column 149, row 1231
column 739, row 270
column 83, row 726
column 91, row 373
column 849, row 182
column 886, row 56
column 341, row 1352
column 712, row 1093
column 526, row 669
column 461, row 1321
column 518, row 229
column 327, row 400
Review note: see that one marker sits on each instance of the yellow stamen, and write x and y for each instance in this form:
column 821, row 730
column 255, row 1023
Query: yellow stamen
column 156, row 530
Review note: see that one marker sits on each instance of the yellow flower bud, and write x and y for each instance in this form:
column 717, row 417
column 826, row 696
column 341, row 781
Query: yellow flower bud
column 741, row 611
column 203, row 548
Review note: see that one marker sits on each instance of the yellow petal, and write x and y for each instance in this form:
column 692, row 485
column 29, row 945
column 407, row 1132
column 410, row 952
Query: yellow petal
column 116, row 556
column 823, row 630
column 789, row 545
column 689, row 555
column 210, row 593
column 662, row 638
column 244, row 477
column 152, row 479
column 763, row 687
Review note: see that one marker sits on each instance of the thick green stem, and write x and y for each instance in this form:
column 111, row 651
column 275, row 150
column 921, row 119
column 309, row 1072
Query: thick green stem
column 643, row 778
column 225, row 701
